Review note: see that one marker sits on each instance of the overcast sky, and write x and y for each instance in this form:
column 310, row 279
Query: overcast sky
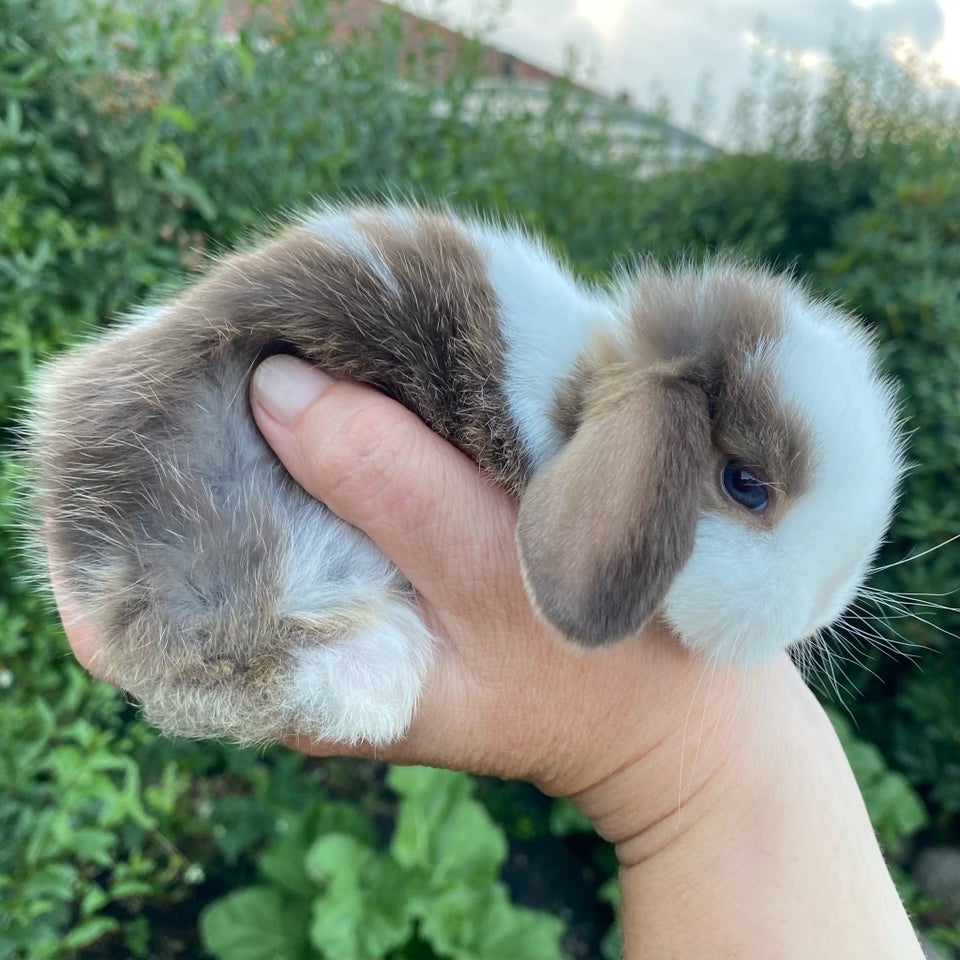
column 640, row 45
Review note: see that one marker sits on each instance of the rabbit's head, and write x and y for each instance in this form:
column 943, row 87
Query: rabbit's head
column 732, row 462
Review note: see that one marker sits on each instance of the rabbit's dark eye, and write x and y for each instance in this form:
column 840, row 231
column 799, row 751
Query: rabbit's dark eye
column 744, row 487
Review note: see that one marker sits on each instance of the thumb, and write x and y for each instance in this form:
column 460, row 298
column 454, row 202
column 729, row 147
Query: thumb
column 376, row 465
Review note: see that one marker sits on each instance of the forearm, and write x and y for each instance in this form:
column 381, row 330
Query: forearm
column 770, row 855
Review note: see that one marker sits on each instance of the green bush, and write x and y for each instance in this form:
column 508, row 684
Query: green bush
column 134, row 141
column 436, row 885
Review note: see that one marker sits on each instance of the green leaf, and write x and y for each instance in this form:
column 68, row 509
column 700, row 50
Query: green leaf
column 179, row 117
column 364, row 911
column 453, row 920
column 464, row 921
column 337, row 858
column 56, row 880
column 349, row 924
column 251, row 924
column 442, row 830
column 611, row 946
column 283, row 861
column 89, row 931
column 516, row 932
column 565, row 819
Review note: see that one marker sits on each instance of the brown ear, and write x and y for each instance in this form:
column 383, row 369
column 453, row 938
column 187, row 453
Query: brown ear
column 608, row 523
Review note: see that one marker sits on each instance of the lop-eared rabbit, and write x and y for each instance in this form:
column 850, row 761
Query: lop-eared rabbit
column 709, row 443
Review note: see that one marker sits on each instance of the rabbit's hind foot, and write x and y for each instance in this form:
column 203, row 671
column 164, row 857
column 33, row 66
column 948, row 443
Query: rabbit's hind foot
column 365, row 685
column 348, row 676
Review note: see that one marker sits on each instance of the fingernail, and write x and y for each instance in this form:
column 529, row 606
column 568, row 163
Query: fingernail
column 285, row 386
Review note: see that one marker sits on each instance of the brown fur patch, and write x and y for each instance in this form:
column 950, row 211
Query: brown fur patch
column 432, row 342
column 719, row 324
column 605, row 526
column 602, row 353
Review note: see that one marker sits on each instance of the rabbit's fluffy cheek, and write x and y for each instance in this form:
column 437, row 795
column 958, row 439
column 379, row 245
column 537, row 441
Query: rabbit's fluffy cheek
column 740, row 597
column 834, row 597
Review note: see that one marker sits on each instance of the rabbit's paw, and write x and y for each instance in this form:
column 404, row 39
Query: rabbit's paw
column 365, row 685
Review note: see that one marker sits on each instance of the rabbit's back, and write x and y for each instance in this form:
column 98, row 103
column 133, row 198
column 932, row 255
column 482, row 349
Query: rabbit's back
column 230, row 602
column 652, row 433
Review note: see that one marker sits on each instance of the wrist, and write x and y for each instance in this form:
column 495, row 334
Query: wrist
column 696, row 759
column 760, row 845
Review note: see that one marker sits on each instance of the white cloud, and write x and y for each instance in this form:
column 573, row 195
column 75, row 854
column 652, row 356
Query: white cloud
column 640, row 45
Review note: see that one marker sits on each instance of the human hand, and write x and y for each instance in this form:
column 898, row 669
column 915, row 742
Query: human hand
column 504, row 696
column 724, row 791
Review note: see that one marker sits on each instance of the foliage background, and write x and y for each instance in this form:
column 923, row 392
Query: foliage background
column 131, row 142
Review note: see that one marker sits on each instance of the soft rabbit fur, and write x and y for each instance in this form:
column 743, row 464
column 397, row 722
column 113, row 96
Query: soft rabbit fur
column 234, row 605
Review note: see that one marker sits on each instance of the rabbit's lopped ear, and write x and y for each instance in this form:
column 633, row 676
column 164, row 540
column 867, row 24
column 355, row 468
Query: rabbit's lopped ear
column 607, row 524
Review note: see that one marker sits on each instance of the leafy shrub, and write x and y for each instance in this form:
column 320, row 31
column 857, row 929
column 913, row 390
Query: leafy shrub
column 897, row 261
column 133, row 140
column 437, row 883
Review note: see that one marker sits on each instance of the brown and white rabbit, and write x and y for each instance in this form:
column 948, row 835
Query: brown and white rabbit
column 709, row 443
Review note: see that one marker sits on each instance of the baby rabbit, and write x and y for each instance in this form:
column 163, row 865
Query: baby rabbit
column 708, row 443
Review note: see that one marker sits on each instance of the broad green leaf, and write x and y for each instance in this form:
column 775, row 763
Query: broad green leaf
column 441, row 829
column 364, row 909
column 486, row 925
column 452, row 920
column 250, row 924
column 516, row 933
column 337, row 859
column 358, row 923
column 283, row 861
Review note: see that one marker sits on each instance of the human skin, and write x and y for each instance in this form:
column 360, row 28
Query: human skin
column 738, row 825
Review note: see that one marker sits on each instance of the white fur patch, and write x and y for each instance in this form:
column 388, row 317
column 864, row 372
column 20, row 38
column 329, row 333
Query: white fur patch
column 329, row 564
column 546, row 318
column 826, row 370
column 747, row 594
column 339, row 227
column 733, row 599
column 364, row 686
column 400, row 218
